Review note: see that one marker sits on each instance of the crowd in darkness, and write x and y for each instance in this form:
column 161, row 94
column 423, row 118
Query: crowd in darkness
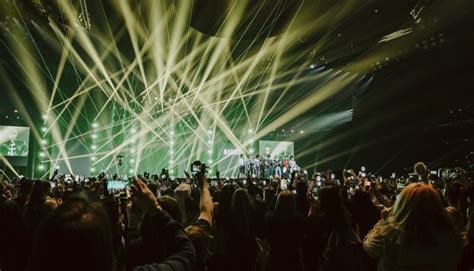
column 307, row 222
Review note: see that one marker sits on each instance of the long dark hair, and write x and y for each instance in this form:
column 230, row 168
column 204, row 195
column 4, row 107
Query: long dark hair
column 76, row 236
column 225, row 202
column 242, row 233
column 242, row 209
column 37, row 196
column 285, row 205
column 333, row 209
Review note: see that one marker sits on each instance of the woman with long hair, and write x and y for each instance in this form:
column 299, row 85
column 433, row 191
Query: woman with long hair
column 284, row 234
column 365, row 213
column 39, row 205
column 222, row 222
column 332, row 242
column 417, row 234
column 242, row 240
column 78, row 236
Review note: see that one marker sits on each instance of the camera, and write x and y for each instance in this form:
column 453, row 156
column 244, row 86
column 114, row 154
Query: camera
column 198, row 167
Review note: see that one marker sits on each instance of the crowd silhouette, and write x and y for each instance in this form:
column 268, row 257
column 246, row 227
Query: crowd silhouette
column 317, row 222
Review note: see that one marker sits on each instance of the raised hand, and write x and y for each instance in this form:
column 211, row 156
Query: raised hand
column 143, row 197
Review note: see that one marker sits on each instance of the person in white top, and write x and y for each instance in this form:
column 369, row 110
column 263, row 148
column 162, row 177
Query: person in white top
column 292, row 164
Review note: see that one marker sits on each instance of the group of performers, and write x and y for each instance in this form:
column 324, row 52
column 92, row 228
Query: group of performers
column 266, row 167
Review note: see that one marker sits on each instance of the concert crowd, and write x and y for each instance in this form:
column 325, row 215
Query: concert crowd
column 277, row 217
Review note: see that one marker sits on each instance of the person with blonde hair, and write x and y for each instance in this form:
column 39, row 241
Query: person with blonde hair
column 417, row 234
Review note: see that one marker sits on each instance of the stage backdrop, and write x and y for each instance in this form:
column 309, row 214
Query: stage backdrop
column 273, row 148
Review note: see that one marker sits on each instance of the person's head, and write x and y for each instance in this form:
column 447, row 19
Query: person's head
column 331, row 205
column 76, row 236
column 37, row 195
column 362, row 200
column 455, row 193
column 330, row 198
column 418, row 214
column 257, row 156
column 154, row 188
column 241, row 155
column 241, row 210
column 285, row 206
column 420, row 169
column 225, row 202
column 252, row 189
column 13, row 135
column 25, row 187
column 170, row 205
column 301, row 188
column 46, row 188
column 225, row 197
column 292, row 157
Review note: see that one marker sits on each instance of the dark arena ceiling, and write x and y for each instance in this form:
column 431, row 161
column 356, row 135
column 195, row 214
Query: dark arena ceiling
column 364, row 80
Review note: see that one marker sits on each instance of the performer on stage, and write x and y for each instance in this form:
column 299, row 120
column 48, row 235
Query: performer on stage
column 277, row 165
column 242, row 165
column 256, row 164
column 292, row 164
column 268, row 168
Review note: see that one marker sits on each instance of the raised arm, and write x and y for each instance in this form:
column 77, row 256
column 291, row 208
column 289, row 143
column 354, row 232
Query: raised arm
column 206, row 205
column 182, row 254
